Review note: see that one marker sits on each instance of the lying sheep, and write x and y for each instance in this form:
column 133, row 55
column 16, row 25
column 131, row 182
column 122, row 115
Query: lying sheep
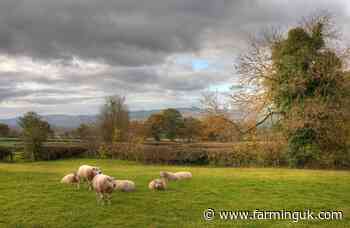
column 183, row 175
column 124, row 185
column 168, row 175
column 175, row 176
column 87, row 173
column 71, row 178
column 158, row 184
column 103, row 186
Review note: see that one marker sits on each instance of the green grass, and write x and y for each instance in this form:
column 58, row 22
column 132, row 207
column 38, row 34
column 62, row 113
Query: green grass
column 31, row 196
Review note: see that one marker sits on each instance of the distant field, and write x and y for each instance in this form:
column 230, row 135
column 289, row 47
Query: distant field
column 31, row 196
column 18, row 141
column 9, row 141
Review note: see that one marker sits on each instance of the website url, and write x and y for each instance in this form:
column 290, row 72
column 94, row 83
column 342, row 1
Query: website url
column 210, row 214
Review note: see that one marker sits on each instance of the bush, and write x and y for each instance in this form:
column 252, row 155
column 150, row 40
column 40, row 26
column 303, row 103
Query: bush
column 54, row 152
column 236, row 155
column 303, row 150
column 6, row 153
column 250, row 154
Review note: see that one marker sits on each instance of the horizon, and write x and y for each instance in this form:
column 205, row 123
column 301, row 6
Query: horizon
column 95, row 114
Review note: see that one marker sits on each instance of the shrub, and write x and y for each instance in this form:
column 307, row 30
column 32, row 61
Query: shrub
column 236, row 155
column 54, row 152
column 6, row 153
column 303, row 151
column 249, row 154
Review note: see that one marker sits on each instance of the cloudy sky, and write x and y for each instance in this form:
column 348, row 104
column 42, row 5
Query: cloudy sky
column 64, row 56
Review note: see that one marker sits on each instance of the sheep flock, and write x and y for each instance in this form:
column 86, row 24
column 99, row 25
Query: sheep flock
column 104, row 185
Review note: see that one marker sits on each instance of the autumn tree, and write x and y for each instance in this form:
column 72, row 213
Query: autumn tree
column 35, row 132
column 217, row 128
column 300, row 78
column 137, row 129
column 191, row 129
column 154, row 126
column 114, row 119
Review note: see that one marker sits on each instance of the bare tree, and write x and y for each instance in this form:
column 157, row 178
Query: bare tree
column 114, row 119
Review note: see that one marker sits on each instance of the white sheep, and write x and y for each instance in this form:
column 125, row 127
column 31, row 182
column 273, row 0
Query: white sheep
column 124, row 185
column 183, row 175
column 158, row 184
column 87, row 173
column 103, row 186
column 71, row 178
column 175, row 176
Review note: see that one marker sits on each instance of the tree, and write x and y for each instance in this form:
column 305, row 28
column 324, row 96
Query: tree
column 154, row 126
column 172, row 122
column 35, row 131
column 114, row 119
column 299, row 77
column 137, row 129
column 191, row 129
column 216, row 128
column 4, row 130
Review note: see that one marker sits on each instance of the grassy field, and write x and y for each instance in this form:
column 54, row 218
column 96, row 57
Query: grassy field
column 31, row 196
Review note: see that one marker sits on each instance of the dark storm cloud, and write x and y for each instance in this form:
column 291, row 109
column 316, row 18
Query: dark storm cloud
column 133, row 32
column 123, row 32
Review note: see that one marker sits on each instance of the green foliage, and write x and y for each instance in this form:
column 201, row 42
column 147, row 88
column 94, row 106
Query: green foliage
column 35, row 131
column 303, row 149
column 308, row 88
column 172, row 122
column 169, row 123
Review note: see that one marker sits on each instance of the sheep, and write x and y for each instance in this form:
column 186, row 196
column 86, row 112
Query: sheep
column 71, row 178
column 168, row 175
column 183, row 175
column 103, row 186
column 124, row 185
column 158, row 184
column 175, row 176
column 87, row 173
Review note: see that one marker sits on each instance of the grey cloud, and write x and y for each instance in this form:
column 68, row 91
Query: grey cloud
column 121, row 32
column 134, row 39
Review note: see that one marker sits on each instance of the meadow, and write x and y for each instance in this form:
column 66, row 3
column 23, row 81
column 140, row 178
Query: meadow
column 31, row 195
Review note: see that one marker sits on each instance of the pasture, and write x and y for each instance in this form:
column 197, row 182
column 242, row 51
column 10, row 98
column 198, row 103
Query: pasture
column 31, row 196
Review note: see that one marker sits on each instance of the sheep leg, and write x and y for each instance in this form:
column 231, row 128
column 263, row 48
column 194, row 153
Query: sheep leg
column 109, row 198
column 89, row 185
column 102, row 198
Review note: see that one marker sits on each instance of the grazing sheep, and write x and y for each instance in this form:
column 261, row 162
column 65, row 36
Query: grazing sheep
column 183, row 175
column 158, row 184
column 103, row 186
column 87, row 173
column 124, row 185
column 175, row 176
column 71, row 178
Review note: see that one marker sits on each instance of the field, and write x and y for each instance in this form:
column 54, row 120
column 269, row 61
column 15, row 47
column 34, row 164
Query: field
column 31, row 196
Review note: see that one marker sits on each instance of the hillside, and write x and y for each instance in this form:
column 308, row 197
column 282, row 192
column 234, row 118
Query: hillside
column 73, row 121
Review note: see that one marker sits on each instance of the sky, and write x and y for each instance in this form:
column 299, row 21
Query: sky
column 65, row 56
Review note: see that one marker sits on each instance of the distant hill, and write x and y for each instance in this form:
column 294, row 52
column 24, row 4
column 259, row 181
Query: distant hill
column 71, row 121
